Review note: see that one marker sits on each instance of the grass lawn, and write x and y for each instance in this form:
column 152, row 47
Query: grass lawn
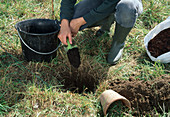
column 53, row 89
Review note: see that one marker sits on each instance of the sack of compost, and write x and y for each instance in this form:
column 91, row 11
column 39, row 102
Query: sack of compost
column 157, row 42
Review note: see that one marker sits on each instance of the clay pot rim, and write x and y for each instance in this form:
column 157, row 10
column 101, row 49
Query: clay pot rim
column 125, row 101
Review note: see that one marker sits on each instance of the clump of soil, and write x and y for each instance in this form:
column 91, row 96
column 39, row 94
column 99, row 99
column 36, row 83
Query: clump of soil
column 145, row 96
column 160, row 44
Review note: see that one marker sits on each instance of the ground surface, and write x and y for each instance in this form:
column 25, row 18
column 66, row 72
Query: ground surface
column 56, row 89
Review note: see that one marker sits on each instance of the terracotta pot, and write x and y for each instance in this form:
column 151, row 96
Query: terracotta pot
column 110, row 96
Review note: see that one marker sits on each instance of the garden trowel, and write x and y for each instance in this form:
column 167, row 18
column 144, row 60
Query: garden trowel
column 73, row 55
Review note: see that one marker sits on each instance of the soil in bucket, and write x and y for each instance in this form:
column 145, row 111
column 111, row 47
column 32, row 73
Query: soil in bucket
column 39, row 39
column 160, row 44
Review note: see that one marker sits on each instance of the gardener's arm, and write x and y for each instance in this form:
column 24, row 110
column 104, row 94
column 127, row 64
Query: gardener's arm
column 66, row 14
column 95, row 15
column 67, row 9
column 101, row 12
column 65, row 32
column 75, row 25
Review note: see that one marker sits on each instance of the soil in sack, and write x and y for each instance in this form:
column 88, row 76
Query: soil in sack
column 160, row 44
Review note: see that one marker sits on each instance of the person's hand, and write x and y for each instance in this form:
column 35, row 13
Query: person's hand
column 65, row 32
column 75, row 25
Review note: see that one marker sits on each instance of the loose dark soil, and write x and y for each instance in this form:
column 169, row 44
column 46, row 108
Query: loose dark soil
column 160, row 44
column 145, row 96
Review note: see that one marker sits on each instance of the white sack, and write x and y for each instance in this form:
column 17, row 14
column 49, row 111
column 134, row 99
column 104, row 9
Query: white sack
column 164, row 58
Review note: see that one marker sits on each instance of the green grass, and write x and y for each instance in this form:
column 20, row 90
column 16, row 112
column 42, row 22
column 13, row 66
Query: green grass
column 32, row 89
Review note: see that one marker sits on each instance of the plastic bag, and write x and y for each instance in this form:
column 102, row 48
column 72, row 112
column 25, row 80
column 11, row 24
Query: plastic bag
column 164, row 58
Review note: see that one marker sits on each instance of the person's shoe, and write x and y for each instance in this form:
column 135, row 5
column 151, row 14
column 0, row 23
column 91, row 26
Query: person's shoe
column 118, row 42
column 115, row 54
column 105, row 25
column 100, row 32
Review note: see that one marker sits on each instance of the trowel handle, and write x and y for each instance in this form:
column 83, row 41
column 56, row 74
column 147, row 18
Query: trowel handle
column 69, row 45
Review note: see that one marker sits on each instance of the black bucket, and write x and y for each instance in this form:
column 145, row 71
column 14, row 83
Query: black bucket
column 39, row 39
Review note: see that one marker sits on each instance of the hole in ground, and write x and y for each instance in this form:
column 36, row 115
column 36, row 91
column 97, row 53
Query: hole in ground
column 79, row 81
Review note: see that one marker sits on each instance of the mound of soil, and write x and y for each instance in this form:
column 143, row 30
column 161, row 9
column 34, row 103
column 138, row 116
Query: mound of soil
column 160, row 44
column 145, row 96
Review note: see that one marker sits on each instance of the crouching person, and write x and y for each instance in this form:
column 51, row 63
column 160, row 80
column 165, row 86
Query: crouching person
column 91, row 13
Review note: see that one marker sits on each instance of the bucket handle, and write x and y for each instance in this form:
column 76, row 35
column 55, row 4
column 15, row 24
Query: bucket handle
column 42, row 53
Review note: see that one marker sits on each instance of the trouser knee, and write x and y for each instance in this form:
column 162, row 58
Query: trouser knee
column 127, row 11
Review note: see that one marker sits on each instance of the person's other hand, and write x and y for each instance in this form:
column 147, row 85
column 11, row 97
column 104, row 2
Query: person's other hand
column 65, row 32
column 75, row 25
